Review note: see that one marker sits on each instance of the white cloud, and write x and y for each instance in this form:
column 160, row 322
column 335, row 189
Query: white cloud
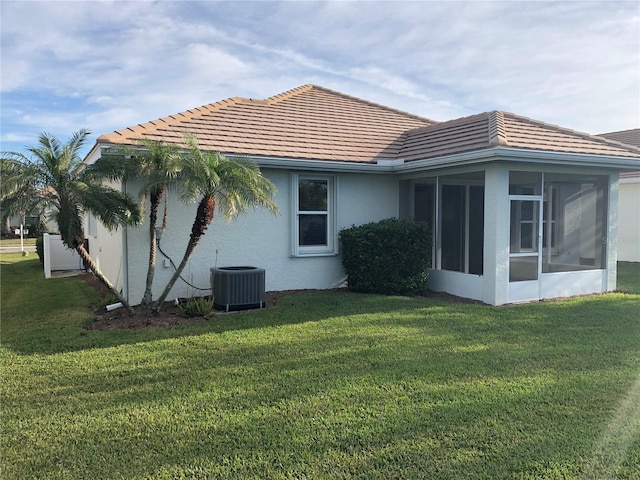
column 16, row 137
column 108, row 65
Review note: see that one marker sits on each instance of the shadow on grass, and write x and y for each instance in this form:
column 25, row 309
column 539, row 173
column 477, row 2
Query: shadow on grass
column 388, row 382
column 42, row 316
column 320, row 386
column 297, row 309
column 48, row 316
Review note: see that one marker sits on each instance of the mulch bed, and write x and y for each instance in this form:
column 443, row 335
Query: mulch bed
column 170, row 314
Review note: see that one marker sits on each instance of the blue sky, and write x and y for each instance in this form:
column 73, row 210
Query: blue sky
column 109, row 65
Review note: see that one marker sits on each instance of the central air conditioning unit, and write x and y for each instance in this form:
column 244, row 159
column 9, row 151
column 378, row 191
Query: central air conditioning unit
column 238, row 288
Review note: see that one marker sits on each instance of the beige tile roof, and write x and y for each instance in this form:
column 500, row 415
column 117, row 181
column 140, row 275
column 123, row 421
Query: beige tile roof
column 498, row 128
column 312, row 122
column 630, row 137
column 308, row 122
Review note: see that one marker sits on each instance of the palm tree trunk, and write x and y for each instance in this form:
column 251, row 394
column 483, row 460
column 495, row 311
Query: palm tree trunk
column 204, row 216
column 91, row 265
column 164, row 212
column 147, row 299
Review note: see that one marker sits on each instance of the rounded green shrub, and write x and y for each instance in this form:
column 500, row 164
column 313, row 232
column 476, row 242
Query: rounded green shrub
column 390, row 257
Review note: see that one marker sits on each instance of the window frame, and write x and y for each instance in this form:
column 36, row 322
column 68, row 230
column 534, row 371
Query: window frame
column 92, row 225
column 331, row 248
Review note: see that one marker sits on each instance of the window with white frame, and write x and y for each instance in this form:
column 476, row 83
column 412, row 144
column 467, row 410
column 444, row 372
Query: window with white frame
column 92, row 225
column 313, row 215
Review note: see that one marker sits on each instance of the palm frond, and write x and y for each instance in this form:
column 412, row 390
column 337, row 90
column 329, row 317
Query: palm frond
column 112, row 207
column 16, row 175
column 235, row 183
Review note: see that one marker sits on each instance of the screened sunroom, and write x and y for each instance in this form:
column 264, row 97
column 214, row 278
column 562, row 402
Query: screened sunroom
column 514, row 233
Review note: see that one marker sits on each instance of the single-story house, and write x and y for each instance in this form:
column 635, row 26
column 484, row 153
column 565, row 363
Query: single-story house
column 520, row 210
column 628, row 202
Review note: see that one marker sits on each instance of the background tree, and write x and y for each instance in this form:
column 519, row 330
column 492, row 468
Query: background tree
column 157, row 165
column 71, row 188
column 25, row 200
column 232, row 185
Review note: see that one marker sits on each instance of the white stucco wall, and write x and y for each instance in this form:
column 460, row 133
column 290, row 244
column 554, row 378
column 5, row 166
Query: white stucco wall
column 257, row 239
column 629, row 218
column 496, row 235
column 106, row 250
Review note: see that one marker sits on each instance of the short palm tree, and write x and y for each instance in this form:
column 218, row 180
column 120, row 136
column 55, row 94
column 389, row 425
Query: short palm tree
column 157, row 164
column 232, row 185
column 70, row 187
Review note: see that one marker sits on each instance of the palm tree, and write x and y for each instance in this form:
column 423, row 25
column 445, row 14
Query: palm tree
column 66, row 184
column 158, row 163
column 230, row 184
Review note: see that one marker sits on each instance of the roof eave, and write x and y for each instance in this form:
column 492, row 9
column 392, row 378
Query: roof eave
column 94, row 154
column 495, row 154
column 570, row 159
column 320, row 165
column 517, row 155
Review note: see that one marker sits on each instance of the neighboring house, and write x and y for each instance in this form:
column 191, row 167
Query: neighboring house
column 31, row 221
column 12, row 223
column 520, row 210
column 30, row 224
column 628, row 202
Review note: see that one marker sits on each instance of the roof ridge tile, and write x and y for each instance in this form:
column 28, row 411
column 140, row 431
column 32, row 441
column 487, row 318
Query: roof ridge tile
column 497, row 131
column 279, row 97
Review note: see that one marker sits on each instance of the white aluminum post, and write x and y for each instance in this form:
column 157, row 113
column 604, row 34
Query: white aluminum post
column 21, row 239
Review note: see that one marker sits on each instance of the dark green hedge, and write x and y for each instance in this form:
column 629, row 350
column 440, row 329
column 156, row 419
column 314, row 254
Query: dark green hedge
column 40, row 248
column 389, row 257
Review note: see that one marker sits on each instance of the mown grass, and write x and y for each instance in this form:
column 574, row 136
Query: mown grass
column 326, row 385
column 629, row 277
column 15, row 242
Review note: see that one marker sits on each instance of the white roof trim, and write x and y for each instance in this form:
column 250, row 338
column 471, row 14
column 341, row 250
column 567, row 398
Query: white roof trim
column 318, row 165
column 517, row 155
column 496, row 154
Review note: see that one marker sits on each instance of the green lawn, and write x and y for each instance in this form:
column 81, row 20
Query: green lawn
column 629, row 277
column 326, row 385
column 15, row 242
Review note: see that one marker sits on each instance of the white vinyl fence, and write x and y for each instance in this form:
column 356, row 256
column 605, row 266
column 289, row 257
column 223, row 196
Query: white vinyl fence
column 58, row 257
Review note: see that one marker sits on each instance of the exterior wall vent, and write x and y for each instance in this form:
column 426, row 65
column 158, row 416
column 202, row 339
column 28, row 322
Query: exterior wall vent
column 238, row 288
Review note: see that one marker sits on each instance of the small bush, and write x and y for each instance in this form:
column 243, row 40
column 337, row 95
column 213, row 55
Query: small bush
column 389, row 257
column 197, row 307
